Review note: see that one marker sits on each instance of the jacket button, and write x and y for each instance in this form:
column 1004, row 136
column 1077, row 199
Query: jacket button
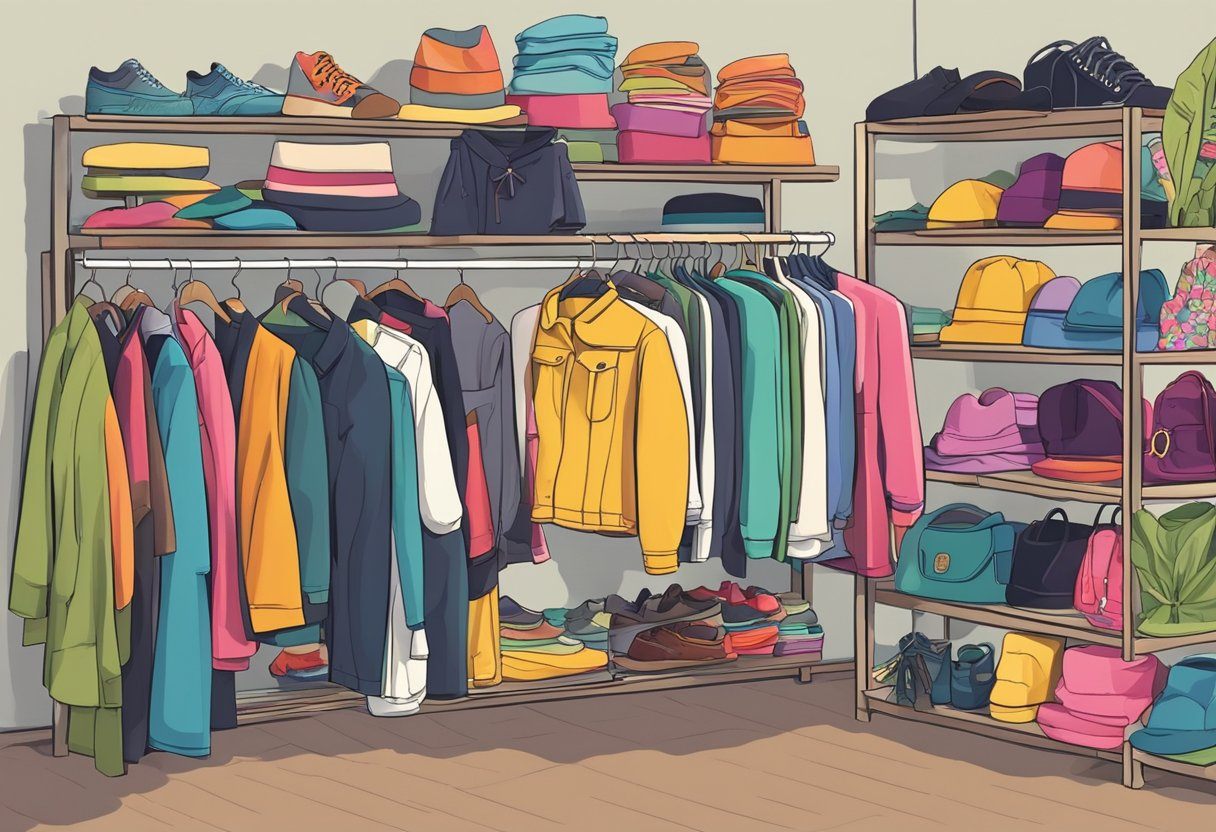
column 600, row 366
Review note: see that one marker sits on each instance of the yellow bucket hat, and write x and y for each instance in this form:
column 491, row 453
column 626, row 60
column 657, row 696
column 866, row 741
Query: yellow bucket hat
column 1026, row 676
column 993, row 300
column 971, row 203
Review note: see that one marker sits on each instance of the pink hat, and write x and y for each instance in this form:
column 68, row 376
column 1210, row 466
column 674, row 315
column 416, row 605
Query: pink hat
column 996, row 431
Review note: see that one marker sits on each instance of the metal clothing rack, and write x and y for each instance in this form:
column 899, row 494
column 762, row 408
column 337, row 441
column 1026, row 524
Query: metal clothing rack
column 1095, row 124
column 74, row 249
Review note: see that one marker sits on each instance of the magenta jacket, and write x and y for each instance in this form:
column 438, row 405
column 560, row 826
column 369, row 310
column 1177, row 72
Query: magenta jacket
column 889, row 484
column 230, row 649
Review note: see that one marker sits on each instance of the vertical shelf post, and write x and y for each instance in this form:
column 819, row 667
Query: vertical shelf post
column 55, row 286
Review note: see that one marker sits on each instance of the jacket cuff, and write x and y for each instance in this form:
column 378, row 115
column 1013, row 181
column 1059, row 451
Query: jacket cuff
column 660, row 563
column 906, row 516
column 34, row 632
column 27, row 600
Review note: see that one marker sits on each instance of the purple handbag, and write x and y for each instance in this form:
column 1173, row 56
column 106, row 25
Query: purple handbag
column 1182, row 447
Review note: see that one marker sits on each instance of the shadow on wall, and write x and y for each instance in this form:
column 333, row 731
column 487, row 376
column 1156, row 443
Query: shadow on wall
column 800, row 737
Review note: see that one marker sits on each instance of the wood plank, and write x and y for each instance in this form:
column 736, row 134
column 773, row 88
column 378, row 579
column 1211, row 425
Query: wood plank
column 1004, row 237
column 1009, row 125
column 979, row 722
column 1174, row 766
column 1027, row 482
column 1011, row 354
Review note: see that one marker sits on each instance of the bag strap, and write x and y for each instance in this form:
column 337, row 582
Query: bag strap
column 1116, row 513
column 1038, row 527
column 1110, row 408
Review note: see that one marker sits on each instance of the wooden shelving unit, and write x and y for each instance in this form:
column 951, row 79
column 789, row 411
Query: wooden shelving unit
column 1130, row 492
column 59, row 286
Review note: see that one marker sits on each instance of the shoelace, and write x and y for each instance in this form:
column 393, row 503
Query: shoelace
column 328, row 72
column 146, row 76
column 1104, row 64
column 240, row 82
column 508, row 179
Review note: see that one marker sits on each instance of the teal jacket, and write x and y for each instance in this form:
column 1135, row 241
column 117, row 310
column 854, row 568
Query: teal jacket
column 63, row 570
column 179, row 715
column 760, row 498
column 1190, row 121
column 407, row 520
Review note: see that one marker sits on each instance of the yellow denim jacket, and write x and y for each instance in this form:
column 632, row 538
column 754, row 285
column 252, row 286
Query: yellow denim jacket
column 613, row 454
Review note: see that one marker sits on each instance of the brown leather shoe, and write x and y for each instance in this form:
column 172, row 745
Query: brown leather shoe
column 677, row 645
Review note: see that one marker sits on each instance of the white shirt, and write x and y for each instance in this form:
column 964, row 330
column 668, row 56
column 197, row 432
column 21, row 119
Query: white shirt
column 679, row 354
column 811, row 532
column 438, row 498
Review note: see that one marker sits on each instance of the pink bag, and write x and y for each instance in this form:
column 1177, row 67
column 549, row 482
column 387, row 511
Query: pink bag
column 1100, row 695
column 1099, row 591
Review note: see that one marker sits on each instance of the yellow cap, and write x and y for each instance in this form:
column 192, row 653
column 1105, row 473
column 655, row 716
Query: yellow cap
column 993, row 300
column 971, row 202
column 1026, row 676
column 146, row 156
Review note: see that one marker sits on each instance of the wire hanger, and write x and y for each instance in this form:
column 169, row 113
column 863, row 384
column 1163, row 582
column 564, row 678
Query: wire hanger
column 195, row 290
column 463, row 291
column 124, row 289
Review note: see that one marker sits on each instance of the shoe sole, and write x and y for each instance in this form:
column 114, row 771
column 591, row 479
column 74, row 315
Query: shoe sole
column 294, row 105
column 620, row 639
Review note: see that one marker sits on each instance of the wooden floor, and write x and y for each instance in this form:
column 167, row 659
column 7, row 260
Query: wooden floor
column 768, row 755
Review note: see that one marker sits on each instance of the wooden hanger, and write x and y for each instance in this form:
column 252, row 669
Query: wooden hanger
column 359, row 285
column 463, row 291
column 134, row 299
column 117, row 320
column 395, row 284
column 197, row 291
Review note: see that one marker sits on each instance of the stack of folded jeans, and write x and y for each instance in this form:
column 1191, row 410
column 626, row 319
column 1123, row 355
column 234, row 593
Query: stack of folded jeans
column 338, row 187
column 758, row 109
column 798, row 633
column 456, row 78
column 663, row 121
column 534, row 649
column 563, row 73
column 150, row 171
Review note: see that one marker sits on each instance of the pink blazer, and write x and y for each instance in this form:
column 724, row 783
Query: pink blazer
column 889, row 485
column 230, row 649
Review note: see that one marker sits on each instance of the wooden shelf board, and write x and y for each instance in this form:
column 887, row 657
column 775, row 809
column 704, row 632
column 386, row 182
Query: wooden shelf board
column 262, row 706
column 1001, row 615
column 1012, row 125
column 1184, row 235
column 1174, row 766
column 1014, row 354
column 1156, row 644
column 1027, row 482
column 979, row 722
column 197, row 238
column 1003, row 237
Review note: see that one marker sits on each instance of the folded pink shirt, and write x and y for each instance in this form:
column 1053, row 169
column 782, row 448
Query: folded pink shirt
column 659, row 120
column 638, row 148
column 585, row 111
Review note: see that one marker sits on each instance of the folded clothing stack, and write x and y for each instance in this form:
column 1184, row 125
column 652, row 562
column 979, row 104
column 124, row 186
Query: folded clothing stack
column 758, row 108
column 534, row 649
column 713, row 212
column 799, row 632
column 563, row 73
column 925, row 323
column 751, row 619
column 150, row 171
column 1100, row 695
column 456, row 78
column 338, row 187
column 589, row 146
column 663, row 122
column 588, row 622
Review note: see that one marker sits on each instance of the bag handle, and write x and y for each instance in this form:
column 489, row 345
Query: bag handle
column 1110, row 408
column 1116, row 513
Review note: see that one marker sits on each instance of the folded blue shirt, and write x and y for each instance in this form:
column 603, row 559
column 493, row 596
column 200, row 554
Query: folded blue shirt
column 602, row 44
column 564, row 26
column 598, row 65
column 565, row 81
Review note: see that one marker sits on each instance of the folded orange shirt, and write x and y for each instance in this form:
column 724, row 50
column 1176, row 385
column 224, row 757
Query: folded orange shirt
column 757, row 65
column 751, row 129
column 761, row 150
column 667, row 51
column 695, row 82
column 435, row 54
column 458, row 83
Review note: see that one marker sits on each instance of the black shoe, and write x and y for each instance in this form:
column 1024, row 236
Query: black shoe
column 1091, row 74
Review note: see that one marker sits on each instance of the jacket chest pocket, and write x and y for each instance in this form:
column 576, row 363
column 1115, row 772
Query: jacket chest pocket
column 549, row 376
column 601, row 368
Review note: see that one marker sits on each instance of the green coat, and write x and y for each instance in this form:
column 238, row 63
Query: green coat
column 1190, row 114
column 1175, row 560
column 63, row 571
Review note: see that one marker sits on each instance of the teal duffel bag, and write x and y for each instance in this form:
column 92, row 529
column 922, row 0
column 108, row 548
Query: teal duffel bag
column 958, row 553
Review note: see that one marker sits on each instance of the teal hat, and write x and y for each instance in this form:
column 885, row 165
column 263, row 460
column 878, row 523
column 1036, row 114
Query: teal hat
column 224, row 201
column 1183, row 719
column 256, row 218
column 1094, row 320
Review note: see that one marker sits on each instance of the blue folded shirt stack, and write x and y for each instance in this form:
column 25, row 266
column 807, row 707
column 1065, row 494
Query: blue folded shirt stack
column 568, row 55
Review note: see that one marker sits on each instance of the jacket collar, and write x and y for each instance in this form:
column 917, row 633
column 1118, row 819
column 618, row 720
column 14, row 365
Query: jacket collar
column 509, row 149
column 605, row 322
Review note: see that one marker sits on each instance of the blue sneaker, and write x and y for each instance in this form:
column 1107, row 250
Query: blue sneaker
column 131, row 90
column 220, row 93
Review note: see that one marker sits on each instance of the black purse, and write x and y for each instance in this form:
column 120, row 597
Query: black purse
column 1046, row 559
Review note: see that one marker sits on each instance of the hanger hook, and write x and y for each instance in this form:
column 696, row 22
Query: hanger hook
column 240, row 264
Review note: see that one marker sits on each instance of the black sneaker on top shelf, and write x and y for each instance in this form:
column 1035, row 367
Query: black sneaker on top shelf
column 1091, row 74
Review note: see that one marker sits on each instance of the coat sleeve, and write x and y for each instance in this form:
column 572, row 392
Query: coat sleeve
column 900, row 438
column 407, row 521
column 307, row 468
column 455, row 210
column 504, row 445
column 35, row 549
column 661, row 456
column 122, row 523
column 440, row 499
column 573, row 217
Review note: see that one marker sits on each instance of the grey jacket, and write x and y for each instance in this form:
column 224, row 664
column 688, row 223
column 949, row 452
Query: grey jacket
column 483, row 357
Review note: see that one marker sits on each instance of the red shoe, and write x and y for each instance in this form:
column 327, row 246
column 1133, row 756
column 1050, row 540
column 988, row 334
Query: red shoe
column 757, row 599
column 309, row 665
column 704, row 593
